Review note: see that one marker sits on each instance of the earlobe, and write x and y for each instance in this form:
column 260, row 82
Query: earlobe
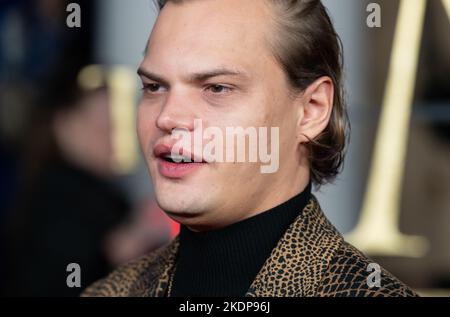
column 316, row 109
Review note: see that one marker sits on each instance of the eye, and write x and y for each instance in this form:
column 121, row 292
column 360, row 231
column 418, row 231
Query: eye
column 152, row 87
column 219, row 89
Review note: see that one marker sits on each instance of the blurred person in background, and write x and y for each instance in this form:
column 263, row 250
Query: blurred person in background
column 57, row 204
column 66, row 206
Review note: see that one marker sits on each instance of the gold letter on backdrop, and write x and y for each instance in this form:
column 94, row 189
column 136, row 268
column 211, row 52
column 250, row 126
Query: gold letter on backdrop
column 378, row 231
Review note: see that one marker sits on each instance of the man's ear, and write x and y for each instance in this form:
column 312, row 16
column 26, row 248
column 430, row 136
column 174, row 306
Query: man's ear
column 316, row 107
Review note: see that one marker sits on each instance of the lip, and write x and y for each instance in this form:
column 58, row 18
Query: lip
column 162, row 149
column 175, row 170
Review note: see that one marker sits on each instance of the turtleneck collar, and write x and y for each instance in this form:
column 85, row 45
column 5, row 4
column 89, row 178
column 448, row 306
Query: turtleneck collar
column 224, row 262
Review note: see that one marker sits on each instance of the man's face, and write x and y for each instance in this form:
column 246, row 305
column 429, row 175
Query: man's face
column 210, row 60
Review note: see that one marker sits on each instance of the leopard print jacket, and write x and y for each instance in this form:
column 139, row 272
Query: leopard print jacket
column 311, row 259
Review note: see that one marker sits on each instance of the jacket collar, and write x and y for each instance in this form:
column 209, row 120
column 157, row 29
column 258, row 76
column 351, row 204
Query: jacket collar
column 301, row 257
column 294, row 268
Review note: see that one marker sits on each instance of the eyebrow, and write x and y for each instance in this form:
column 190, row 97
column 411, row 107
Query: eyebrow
column 195, row 77
column 152, row 76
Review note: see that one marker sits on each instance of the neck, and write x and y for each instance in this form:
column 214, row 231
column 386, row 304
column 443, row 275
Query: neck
column 224, row 262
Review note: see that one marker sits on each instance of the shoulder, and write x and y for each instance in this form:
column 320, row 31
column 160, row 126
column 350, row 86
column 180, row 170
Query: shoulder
column 135, row 278
column 351, row 273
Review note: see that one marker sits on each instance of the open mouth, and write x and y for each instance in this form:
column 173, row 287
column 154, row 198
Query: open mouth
column 176, row 158
column 165, row 153
column 176, row 166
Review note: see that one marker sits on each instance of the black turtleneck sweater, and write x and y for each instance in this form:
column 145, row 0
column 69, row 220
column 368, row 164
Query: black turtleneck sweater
column 225, row 262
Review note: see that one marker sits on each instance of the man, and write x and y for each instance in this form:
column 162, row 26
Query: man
column 235, row 63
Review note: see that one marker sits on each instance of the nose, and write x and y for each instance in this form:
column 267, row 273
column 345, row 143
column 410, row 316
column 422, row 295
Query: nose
column 175, row 114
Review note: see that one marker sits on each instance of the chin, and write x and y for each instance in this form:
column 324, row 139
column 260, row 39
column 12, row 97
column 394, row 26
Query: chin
column 178, row 204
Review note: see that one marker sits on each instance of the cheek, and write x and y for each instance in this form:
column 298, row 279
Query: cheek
column 250, row 113
column 146, row 128
column 265, row 108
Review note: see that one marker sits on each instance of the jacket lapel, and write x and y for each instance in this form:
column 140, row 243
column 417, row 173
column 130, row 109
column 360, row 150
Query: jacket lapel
column 152, row 277
column 300, row 258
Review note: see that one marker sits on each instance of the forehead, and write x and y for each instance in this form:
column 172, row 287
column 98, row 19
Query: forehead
column 210, row 33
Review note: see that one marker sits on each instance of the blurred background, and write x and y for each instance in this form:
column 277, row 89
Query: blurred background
column 74, row 187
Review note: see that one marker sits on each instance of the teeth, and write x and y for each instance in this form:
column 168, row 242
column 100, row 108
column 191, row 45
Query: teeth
column 177, row 158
